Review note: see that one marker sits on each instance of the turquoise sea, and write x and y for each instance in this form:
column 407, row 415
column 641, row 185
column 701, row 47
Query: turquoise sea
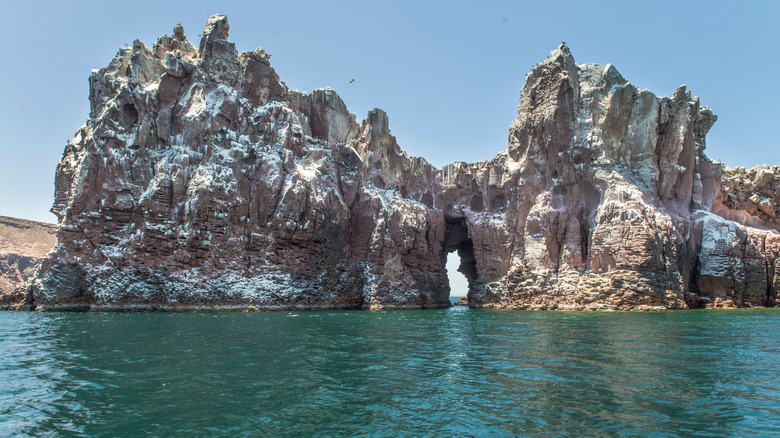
column 450, row 372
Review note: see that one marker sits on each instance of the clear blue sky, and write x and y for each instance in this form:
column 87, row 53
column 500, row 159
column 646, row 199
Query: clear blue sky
column 447, row 73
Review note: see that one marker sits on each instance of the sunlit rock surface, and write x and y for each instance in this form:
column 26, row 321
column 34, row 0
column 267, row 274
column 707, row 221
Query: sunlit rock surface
column 23, row 245
column 201, row 180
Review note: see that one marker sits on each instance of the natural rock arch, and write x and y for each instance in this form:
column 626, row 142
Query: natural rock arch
column 200, row 179
column 457, row 240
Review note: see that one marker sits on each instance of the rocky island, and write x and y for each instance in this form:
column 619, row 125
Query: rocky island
column 200, row 180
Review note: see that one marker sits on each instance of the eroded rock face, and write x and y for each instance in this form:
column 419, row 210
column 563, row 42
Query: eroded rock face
column 201, row 180
column 23, row 245
column 605, row 199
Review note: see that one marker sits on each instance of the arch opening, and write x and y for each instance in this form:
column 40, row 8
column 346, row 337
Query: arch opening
column 459, row 285
column 457, row 241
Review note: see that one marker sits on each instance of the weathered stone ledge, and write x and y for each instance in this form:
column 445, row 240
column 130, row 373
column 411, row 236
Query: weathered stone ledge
column 136, row 307
column 243, row 308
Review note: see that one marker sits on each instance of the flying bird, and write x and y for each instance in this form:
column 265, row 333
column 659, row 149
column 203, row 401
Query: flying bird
column 352, row 81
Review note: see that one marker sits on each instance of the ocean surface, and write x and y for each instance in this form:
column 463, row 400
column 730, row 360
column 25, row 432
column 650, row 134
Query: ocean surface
column 452, row 372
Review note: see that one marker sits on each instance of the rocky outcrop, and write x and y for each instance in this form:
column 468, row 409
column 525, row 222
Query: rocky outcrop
column 201, row 180
column 756, row 192
column 605, row 199
column 23, row 244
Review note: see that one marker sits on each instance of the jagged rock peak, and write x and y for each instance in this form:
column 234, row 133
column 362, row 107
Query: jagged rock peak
column 178, row 32
column 704, row 121
column 562, row 51
column 217, row 28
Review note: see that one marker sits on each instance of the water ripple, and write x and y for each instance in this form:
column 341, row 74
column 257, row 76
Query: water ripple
column 454, row 372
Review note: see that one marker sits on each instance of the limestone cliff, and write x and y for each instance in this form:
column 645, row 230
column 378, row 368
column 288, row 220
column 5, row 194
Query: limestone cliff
column 200, row 179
